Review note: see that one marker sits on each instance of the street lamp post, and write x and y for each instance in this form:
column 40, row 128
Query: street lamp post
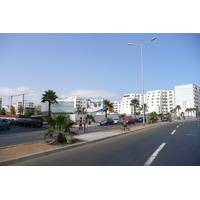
column 142, row 69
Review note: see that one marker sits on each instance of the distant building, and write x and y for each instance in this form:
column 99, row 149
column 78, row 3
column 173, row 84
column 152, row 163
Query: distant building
column 27, row 107
column 123, row 106
column 65, row 105
column 187, row 96
column 162, row 101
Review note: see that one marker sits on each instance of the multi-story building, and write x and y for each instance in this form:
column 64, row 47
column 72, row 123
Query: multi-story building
column 158, row 101
column 162, row 101
column 187, row 96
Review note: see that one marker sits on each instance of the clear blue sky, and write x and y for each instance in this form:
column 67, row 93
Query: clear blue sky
column 95, row 64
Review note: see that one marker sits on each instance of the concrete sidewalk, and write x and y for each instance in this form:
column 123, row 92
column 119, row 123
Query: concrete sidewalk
column 19, row 153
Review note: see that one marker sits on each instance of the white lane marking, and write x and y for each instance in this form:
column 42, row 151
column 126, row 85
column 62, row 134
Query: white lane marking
column 153, row 156
column 177, row 126
column 173, row 132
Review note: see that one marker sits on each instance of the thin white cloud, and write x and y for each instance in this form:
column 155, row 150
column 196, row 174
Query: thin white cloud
column 6, row 92
column 106, row 94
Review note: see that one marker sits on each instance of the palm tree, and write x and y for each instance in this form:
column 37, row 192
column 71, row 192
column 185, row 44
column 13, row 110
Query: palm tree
column 20, row 109
column 78, row 109
column 161, row 115
column 145, row 108
column 2, row 111
column 187, row 110
column 13, row 112
column 62, row 125
column 153, row 117
column 135, row 103
column 107, row 105
column 168, row 115
column 49, row 96
column 178, row 107
column 173, row 111
column 182, row 115
column 122, row 115
column 90, row 118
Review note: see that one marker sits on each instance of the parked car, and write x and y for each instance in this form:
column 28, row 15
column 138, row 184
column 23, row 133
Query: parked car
column 118, row 121
column 107, row 121
column 12, row 121
column 164, row 119
column 4, row 124
column 20, row 122
column 128, row 120
column 136, row 120
column 141, row 119
column 33, row 123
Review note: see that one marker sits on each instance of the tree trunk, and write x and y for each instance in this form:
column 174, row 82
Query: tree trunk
column 49, row 111
column 106, row 114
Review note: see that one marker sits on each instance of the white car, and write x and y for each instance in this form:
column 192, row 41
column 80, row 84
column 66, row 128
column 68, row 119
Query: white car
column 118, row 121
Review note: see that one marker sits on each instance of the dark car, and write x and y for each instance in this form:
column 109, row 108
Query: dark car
column 4, row 124
column 20, row 122
column 141, row 119
column 136, row 120
column 164, row 119
column 107, row 121
column 12, row 121
column 33, row 123
column 128, row 120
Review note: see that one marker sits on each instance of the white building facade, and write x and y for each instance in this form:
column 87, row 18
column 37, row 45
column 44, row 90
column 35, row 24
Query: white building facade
column 188, row 96
column 162, row 101
column 65, row 105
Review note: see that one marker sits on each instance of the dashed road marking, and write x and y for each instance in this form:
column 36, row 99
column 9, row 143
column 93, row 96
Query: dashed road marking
column 173, row 132
column 153, row 156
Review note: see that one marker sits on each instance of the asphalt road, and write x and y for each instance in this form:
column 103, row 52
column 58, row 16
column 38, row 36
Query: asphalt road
column 173, row 144
column 20, row 135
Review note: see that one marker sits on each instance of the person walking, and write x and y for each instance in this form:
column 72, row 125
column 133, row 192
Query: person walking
column 80, row 123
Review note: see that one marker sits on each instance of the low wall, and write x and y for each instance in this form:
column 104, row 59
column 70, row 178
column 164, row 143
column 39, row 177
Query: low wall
column 97, row 118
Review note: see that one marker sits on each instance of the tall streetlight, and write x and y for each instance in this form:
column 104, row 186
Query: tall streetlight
column 142, row 68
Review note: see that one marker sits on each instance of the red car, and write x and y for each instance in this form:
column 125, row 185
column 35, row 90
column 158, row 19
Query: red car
column 128, row 120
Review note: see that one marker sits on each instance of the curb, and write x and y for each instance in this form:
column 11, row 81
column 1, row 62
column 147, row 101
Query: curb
column 35, row 155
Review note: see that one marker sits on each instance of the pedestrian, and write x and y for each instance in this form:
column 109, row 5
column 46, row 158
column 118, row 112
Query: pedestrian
column 80, row 123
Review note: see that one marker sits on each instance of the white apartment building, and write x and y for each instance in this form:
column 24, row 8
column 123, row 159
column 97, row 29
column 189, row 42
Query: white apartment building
column 187, row 96
column 162, row 101
column 123, row 106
